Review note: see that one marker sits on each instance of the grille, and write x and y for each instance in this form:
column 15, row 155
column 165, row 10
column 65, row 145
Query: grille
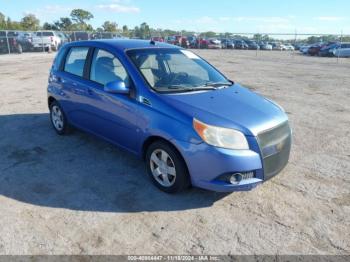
column 247, row 175
column 275, row 147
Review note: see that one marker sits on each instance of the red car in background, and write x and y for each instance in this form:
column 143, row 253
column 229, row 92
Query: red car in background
column 9, row 40
column 198, row 42
column 315, row 49
column 203, row 43
column 178, row 40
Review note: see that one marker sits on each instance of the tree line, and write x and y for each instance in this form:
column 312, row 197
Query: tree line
column 79, row 19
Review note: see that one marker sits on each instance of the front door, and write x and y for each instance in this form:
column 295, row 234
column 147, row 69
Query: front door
column 113, row 116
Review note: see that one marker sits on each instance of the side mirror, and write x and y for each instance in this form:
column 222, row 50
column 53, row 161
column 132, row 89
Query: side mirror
column 116, row 87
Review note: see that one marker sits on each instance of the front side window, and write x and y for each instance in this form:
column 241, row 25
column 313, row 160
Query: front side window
column 176, row 70
column 106, row 68
column 75, row 60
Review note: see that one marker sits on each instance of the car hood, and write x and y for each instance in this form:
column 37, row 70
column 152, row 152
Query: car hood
column 233, row 107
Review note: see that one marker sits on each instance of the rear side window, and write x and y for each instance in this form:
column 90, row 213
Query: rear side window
column 75, row 60
column 58, row 59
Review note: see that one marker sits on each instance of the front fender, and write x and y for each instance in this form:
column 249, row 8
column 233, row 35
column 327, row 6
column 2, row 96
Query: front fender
column 171, row 127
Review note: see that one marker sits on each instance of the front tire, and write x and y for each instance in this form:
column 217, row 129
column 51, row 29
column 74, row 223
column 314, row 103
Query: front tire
column 166, row 168
column 58, row 119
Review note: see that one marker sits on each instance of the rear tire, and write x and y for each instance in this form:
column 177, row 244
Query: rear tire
column 58, row 119
column 166, row 168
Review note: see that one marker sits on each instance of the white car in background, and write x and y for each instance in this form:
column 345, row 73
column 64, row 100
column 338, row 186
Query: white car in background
column 343, row 50
column 214, row 44
column 266, row 46
column 288, row 47
column 277, row 46
column 45, row 40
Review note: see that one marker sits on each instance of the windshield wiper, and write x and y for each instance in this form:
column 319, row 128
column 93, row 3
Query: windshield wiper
column 218, row 84
column 176, row 87
column 180, row 88
column 202, row 88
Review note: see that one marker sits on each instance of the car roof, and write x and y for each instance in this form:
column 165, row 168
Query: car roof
column 123, row 44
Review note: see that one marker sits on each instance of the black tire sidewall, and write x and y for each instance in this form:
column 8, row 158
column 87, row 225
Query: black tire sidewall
column 182, row 180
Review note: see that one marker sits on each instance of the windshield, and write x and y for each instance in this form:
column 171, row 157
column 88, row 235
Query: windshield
column 176, row 70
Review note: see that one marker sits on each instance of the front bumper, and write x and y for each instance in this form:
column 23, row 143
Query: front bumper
column 43, row 45
column 207, row 164
column 268, row 155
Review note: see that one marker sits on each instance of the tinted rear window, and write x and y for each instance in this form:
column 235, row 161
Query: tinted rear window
column 75, row 60
column 12, row 33
column 48, row 34
column 80, row 34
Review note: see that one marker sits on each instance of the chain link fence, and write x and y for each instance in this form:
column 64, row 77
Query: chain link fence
column 308, row 44
column 45, row 41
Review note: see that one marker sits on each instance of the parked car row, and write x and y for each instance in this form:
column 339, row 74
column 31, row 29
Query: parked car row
column 15, row 42
column 18, row 41
column 223, row 43
column 329, row 49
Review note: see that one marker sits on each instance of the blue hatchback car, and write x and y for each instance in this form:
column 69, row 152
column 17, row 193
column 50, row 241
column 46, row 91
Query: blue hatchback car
column 190, row 124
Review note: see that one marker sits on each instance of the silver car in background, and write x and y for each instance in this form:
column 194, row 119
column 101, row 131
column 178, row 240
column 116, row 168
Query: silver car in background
column 343, row 50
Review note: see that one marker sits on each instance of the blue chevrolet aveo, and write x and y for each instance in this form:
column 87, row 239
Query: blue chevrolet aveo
column 190, row 124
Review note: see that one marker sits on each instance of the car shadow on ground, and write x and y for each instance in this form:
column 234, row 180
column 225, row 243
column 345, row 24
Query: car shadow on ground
column 79, row 172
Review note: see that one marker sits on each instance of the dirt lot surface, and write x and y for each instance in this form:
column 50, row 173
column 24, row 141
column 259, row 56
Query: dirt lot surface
column 79, row 195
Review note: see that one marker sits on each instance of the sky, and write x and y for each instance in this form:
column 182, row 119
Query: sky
column 256, row 16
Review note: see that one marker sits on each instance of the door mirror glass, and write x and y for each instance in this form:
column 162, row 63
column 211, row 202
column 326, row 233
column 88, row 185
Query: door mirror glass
column 116, row 87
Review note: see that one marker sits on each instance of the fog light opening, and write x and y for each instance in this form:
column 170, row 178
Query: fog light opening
column 236, row 178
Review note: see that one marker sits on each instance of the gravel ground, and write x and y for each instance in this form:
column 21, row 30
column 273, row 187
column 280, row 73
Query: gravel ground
column 80, row 195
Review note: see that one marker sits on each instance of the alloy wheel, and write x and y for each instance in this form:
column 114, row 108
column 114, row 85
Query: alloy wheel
column 163, row 168
column 57, row 118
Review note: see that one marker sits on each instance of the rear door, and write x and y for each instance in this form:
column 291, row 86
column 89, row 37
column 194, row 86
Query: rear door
column 75, row 87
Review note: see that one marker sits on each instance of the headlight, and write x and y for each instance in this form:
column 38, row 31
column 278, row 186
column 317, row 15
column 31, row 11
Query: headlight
column 221, row 137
